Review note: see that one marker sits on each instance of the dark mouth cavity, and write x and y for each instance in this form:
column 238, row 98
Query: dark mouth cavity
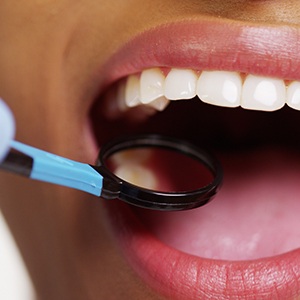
column 212, row 127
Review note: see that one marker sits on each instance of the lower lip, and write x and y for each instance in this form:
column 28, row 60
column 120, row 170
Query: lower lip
column 182, row 276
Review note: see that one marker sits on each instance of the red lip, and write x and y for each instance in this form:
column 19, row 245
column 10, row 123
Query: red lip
column 181, row 276
column 211, row 45
column 269, row 51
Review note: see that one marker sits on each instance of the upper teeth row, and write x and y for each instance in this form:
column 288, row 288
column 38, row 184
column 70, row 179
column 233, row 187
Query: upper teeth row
column 222, row 88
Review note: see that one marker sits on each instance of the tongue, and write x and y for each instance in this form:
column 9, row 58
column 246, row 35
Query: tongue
column 254, row 215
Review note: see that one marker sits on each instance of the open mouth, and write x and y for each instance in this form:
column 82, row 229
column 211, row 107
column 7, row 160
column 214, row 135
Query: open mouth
column 259, row 151
column 251, row 230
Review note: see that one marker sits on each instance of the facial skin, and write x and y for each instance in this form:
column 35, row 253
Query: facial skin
column 50, row 55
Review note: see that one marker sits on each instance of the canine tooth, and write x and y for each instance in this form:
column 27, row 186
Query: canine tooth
column 261, row 93
column 132, row 91
column 180, row 84
column 220, row 88
column 159, row 104
column 151, row 85
column 293, row 95
column 137, row 175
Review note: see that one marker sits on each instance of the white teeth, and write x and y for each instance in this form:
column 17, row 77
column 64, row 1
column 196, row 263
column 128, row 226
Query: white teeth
column 180, row 84
column 220, row 88
column 151, row 85
column 152, row 89
column 262, row 93
column 293, row 95
column 131, row 156
column 132, row 91
column 137, row 175
column 131, row 165
column 159, row 104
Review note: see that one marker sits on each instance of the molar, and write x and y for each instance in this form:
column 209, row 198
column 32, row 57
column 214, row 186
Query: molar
column 220, row 88
column 261, row 93
column 180, row 84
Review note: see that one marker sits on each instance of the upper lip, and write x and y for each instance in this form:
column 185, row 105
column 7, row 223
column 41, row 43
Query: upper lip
column 272, row 51
column 211, row 45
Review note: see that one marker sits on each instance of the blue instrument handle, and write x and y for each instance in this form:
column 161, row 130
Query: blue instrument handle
column 55, row 169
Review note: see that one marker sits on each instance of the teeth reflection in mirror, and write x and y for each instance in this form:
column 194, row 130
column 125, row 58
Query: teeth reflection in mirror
column 220, row 88
column 132, row 91
column 151, row 85
column 181, row 84
column 160, row 104
column 131, row 157
column 293, row 95
column 137, row 175
column 262, row 93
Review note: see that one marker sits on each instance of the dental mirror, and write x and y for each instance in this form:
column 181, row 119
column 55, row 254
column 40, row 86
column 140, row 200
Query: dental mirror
column 149, row 171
